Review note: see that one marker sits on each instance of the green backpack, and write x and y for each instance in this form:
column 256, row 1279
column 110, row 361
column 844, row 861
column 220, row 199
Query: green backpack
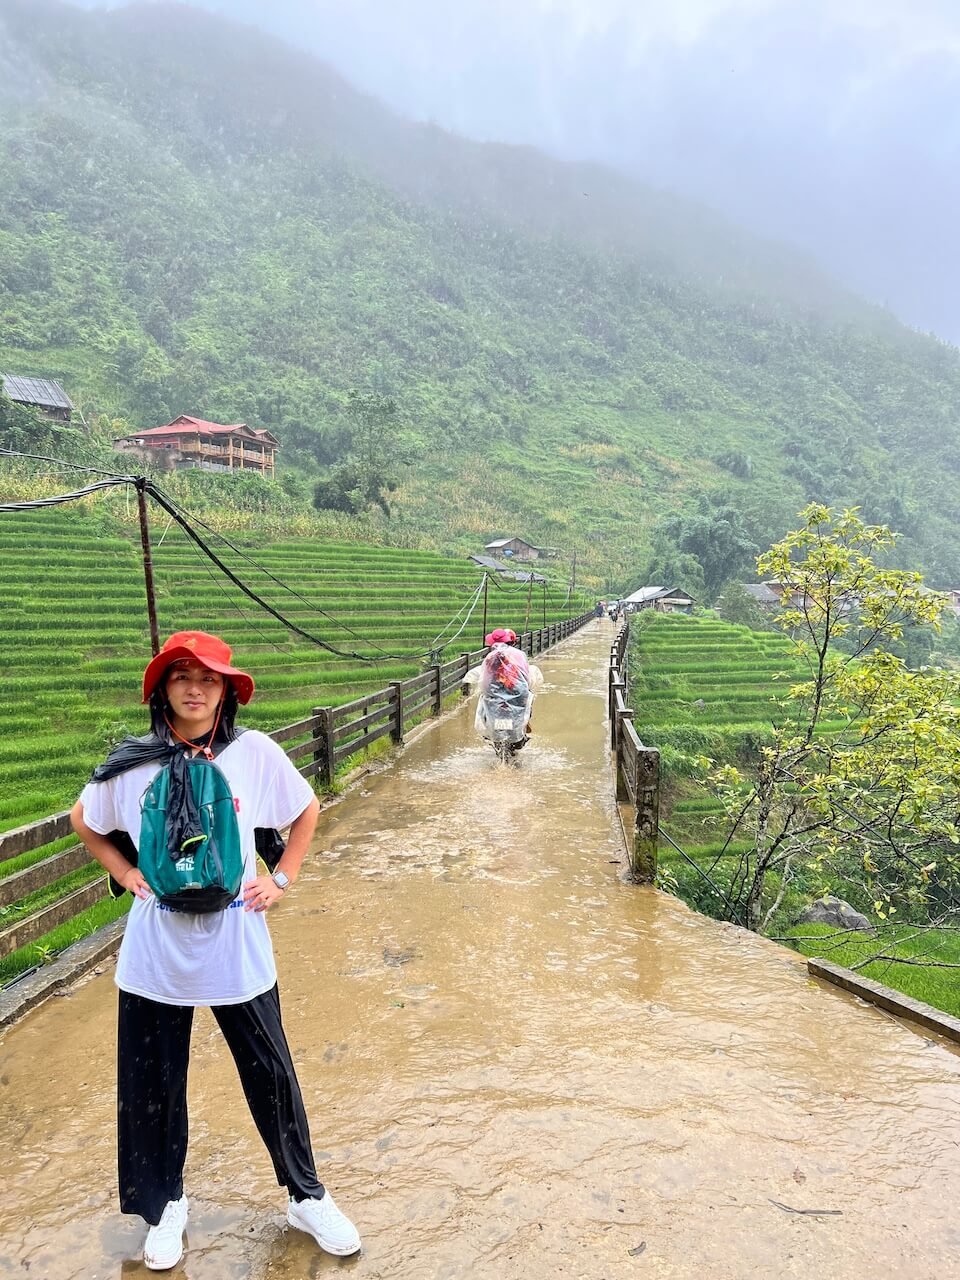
column 205, row 873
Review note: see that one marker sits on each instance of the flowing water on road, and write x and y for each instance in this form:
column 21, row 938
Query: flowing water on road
column 515, row 1064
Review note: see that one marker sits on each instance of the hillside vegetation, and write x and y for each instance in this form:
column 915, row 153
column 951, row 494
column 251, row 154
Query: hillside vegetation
column 199, row 219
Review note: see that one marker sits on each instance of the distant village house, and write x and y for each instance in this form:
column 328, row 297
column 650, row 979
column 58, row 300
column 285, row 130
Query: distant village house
column 39, row 393
column 661, row 599
column 515, row 548
column 194, row 442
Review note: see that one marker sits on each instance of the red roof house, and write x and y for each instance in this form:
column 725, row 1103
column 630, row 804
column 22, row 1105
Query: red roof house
column 194, row 442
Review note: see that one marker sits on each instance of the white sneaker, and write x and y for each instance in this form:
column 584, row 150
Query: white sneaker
column 332, row 1230
column 164, row 1244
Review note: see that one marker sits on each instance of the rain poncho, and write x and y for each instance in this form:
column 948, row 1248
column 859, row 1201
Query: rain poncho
column 506, row 680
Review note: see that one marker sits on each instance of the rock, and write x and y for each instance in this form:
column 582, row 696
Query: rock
column 836, row 912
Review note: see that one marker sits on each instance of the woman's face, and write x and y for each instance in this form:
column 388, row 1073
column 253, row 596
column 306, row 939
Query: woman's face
column 194, row 693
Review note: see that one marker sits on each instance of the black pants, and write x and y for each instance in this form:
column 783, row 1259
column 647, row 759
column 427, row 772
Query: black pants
column 153, row 1053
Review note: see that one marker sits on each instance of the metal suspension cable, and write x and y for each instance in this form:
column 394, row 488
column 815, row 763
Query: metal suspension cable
column 160, row 498
column 700, row 871
column 34, row 503
column 384, row 653
column 60, row 462
column 222, row 589
column 463, row 625
column 258, row 599
column 471, row 605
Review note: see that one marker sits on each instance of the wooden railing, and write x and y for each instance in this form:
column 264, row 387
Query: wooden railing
column 637, row 767
column 322, row 741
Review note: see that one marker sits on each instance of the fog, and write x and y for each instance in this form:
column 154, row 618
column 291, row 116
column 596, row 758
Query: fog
column 830, row 124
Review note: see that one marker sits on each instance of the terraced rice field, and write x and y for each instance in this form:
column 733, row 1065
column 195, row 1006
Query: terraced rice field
column 702, row 687
column 74, row 636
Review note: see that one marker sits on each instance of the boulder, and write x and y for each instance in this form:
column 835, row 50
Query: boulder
column 836, row 912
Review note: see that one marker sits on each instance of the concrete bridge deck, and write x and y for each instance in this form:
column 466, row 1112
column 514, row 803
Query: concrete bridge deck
column 515, row 1064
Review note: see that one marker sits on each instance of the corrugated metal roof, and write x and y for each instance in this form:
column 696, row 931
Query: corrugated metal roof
column 503, row 542
column 761, row 592
column 647, row 593
column 40, row 391
column 488, row 562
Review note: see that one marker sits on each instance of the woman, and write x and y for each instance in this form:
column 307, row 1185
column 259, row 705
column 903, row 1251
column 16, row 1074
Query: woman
column 172, row 962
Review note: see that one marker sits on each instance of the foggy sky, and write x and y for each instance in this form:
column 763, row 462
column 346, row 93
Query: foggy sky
column 833, row 124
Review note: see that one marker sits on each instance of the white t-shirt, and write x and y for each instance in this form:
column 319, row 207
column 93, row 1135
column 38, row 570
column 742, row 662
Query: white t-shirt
column 224, row 957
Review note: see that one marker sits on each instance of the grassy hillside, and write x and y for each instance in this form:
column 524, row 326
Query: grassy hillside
column 198, row 219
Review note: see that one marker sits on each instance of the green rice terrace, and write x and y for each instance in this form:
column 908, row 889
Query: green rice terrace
column 703, row 687
column 74, row 639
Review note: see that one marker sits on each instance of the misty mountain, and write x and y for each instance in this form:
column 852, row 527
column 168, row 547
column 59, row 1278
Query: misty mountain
column 831, row 124
column 198, row 218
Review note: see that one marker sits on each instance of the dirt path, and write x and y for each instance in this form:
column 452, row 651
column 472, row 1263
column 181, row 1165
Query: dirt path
column 515, row 1064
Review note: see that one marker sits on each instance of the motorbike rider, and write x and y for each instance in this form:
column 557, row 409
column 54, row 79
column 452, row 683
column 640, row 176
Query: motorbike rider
column 505, row 673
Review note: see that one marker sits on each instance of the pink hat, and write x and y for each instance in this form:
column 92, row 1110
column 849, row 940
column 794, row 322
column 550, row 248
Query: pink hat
column 502, row 635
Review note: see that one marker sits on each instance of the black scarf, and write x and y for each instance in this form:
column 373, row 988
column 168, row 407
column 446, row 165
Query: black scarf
column 183, row 819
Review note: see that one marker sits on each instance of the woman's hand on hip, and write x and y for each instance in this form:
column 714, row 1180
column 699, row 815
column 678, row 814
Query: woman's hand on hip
column 133, row 881
column 261, row 893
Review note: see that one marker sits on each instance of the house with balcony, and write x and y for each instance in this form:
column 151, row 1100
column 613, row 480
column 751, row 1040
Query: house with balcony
column 212, row 446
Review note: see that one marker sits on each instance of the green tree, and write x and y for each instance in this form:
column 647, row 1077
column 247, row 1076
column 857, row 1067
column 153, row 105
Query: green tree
column 377, row 448
column 28, row 430
column 714, row 535
column 859, row 784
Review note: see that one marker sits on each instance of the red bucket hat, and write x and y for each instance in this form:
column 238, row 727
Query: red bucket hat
column 502, row 635
column 209, row 650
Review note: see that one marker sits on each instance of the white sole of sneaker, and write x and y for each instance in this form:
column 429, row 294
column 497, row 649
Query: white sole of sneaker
column 163, row 1266
column 327, row 1248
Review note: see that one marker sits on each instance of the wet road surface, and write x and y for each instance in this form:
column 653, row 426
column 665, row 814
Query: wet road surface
column 515, row 1064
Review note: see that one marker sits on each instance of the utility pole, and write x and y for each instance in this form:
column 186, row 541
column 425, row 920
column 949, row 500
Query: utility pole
column 141, row 484
column 544, row 586
column 483, row 633
column 573, row 573
column 526, row 616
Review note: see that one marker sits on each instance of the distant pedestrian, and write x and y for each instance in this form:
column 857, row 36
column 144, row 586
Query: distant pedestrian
column 212, row 953
column 599, row 610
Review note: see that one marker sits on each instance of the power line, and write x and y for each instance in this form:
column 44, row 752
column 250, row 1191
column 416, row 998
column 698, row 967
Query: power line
column 189, row 515
column 60, row 462
column 60, row 498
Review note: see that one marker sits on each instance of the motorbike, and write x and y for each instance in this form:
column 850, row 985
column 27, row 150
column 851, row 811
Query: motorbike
column 505, row 714
column 506, row 682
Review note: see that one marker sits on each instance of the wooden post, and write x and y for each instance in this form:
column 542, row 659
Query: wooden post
column 324, row 750
column 619, row 764
column 464, row 687
column 643, row 855
column 396, row 733
column 148, row 565
column 615, row 684
column 438, row 694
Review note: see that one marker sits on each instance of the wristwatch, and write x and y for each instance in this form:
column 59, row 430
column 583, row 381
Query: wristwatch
column 280, row 880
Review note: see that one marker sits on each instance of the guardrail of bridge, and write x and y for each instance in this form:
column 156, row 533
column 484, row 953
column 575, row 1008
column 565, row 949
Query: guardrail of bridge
column 637, row 767
column 322, row 742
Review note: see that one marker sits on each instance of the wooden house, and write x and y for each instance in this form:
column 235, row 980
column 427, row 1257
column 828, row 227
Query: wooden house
column 40, row 393
column 194, row 442
column 515, row 548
